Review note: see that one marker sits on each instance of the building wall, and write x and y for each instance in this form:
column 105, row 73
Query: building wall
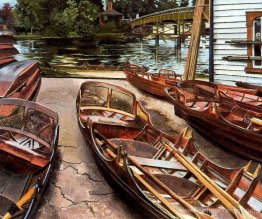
column 230, row 24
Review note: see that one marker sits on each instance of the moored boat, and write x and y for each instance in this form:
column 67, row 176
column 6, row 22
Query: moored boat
column 154, row 83
column 159, row 172
column 6, row 61
column 233, row 124
column 6, row 38
column 20, row 80
column 28, row 142
column 256, row 88
column 7, row 50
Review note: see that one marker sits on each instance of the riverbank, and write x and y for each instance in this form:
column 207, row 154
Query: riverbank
column 93, row 74
column 97, row 36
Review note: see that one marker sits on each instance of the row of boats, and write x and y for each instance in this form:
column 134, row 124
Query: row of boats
column 28, row 135
column 229, row 115
column 167, row 176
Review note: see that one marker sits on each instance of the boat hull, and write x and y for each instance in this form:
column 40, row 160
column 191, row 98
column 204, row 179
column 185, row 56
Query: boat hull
column 246, row 144
column 120, row 180
column 148, row 85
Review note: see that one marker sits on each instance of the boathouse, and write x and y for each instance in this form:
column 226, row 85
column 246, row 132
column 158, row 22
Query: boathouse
column 237, row 41
column 110, row 16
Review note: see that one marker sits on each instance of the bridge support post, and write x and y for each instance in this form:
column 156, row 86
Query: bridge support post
column 157, row 40
column 157, row 35
column 178, row 35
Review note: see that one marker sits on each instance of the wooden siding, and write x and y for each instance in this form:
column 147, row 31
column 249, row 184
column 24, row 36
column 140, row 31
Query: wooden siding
column 230, row 24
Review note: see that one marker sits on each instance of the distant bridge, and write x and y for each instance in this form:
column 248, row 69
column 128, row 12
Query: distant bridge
column 171, row 15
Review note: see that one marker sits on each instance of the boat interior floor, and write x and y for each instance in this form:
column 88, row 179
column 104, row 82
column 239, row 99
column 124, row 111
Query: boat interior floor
column 145, row 155
column 12, row 187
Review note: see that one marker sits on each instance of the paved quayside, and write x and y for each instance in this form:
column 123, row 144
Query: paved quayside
column 78, row 189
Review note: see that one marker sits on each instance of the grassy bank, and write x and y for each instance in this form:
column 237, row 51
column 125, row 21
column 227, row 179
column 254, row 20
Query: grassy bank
column 96, row 36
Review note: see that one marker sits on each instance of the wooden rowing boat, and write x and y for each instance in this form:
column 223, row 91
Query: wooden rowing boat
column 154, row 83
column 6, row 38
column 232, row 123
column 28, row 142
column 256, row 88
column 5, row 61
column 7, row 50
column 160, row 173
column 20, row 80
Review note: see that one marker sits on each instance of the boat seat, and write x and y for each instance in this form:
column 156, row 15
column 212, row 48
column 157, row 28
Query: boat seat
column 23, row 152
column 163, row 164
column 136, row 148
column 198, row 106
column 111, row 121
column 12, row 186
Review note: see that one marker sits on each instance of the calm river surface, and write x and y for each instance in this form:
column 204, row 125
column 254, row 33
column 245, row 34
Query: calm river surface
column 73, row 52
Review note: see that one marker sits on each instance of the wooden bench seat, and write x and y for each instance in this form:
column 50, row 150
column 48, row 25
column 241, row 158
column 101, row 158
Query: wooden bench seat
column 163, row 164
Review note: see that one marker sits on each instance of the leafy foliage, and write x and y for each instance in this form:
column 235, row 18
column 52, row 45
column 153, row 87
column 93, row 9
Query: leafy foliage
column 132, row 7
column 87, row 17
column 58, row 17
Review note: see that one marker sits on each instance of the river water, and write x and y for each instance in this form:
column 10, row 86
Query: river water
column 76, row 52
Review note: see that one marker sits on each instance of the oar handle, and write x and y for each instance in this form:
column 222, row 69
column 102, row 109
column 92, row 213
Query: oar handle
column 22, row 201
column 256, row 121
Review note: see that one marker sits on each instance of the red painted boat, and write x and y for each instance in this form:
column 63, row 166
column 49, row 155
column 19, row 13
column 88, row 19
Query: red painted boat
column 28, row 149
column 7, row 39
column 7, row 50
column 256, row 88
column 20, row 80
column 164, row 175
column 6, row 61
column 235, row 125
column 154, row 83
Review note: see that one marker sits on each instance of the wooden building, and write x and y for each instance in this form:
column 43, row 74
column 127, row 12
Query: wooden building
column 237, row 45
column 110, row 16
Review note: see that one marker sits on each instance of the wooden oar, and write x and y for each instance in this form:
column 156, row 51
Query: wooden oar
column 256, row 121
column 223, row 196
column 198, row 214
column 160, row 197
column 22, row 201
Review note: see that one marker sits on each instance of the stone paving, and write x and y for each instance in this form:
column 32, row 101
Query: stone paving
column 77, row 188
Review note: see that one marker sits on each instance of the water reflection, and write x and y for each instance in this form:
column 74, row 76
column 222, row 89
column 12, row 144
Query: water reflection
column 73, row 52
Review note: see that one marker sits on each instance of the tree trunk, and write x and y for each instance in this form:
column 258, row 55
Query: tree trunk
column 32, row 30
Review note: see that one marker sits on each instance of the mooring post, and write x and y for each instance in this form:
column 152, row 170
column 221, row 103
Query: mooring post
column 178, row 35
column 157, row 35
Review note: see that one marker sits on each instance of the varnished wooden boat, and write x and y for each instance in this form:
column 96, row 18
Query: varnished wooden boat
column 5, row 61
column 20, row 80
column 5, row 38
column 7, row 50
column 235, row 125
column 154, row 83
column 28, row 142
column 159, row 172
column 243, row 97
column 256, row 88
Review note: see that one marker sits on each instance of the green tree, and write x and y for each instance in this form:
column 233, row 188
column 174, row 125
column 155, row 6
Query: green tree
column 166, row 4
column 63, row 21
column 29, row 14
column 98, row 4
column 86, row 20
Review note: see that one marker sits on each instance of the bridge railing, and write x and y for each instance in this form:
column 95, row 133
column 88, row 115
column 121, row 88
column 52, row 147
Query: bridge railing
column 169, row 11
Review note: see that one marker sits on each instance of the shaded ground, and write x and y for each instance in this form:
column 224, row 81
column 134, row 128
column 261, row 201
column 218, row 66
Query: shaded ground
column 78, row 189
